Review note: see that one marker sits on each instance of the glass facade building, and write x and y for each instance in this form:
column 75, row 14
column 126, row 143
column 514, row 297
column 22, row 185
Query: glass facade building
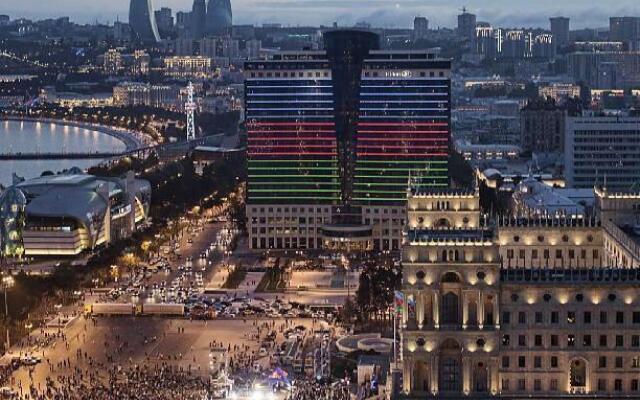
column 343, row 128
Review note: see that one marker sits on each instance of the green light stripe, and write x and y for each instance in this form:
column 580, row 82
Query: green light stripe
column 390, row 176
column 401, row 169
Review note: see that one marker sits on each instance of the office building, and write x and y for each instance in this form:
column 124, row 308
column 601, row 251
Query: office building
column 164, row 20
column 141, row 63
column 543, row 46
column 542, row 127
column 559, row 91
column 467, row 25
column 560, row 30
column 112, row 64
column 486, row 42
column 605, row 70
column 474, row 326
column 66, row 214
column 515, row 45
column 625, row 30
column 420, row 28
column 142, row 20
column 219, row 17
column 136, row 93
column 334, row 136
column 183, row 47
column 601, row 148
column 198, row 19
column 253, row 47
column 186, row 68
column 211, row 47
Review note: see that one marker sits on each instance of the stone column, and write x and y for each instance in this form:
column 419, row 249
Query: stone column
column 420, row 309
column 406, row 375
column 496, row 312
column 480, row 309
column 465, row 309
column 405, row 310
column 466, row 375
column 436, row 310
column 494, row 384
column 434, row 374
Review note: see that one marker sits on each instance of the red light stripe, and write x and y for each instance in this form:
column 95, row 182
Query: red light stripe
column 291, row 124
column 403, row 154
column 394, row 132
column 286, row 146
column 292, row 154
column 400, row 147
column 402, row 124
column 399, row 139
column 264, row 139
column 295, row 131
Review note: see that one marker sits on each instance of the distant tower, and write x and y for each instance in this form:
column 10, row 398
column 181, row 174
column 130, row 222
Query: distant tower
column 190, row 108
column 560, row 30
column 198, row 19
column 467, row 25
column 219, row 17
column 142, row 20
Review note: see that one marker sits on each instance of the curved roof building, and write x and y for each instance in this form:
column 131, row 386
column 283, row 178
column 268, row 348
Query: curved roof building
column 69, row 213
column 142, row 20
column 219, row 17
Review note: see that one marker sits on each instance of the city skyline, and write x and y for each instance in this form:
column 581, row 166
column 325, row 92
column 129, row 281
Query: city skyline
column 399, row 13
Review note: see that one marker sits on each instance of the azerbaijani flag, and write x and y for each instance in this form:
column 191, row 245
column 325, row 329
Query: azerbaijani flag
column 399, row 302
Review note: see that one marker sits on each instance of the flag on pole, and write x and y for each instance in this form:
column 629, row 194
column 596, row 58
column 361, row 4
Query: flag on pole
column 399, row 302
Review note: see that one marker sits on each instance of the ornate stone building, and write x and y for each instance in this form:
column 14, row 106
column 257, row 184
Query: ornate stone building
column 514, row 308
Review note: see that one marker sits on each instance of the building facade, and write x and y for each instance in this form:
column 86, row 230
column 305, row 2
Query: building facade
column 183, row 68
column 606, row 69
column 335, row 135
column 542, row 126
column 560, row 30
column 473, row 325
column 602, row 150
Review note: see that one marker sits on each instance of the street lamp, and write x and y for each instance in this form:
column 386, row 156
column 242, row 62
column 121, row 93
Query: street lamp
column 7, row 282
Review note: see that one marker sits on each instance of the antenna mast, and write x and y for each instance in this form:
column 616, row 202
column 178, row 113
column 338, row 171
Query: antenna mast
column 190, row 108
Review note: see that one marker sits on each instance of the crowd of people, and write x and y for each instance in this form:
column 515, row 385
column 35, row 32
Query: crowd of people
column 312, row 390
column 164, row 382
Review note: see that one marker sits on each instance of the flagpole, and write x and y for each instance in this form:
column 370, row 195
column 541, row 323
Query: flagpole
column 395, row 345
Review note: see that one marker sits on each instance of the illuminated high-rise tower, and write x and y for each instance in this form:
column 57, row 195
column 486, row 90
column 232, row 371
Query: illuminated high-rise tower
column 219, row 17
column 142, row 20
column 334, row 136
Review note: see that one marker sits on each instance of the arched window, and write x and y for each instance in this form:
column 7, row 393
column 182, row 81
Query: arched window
column 450, row 309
